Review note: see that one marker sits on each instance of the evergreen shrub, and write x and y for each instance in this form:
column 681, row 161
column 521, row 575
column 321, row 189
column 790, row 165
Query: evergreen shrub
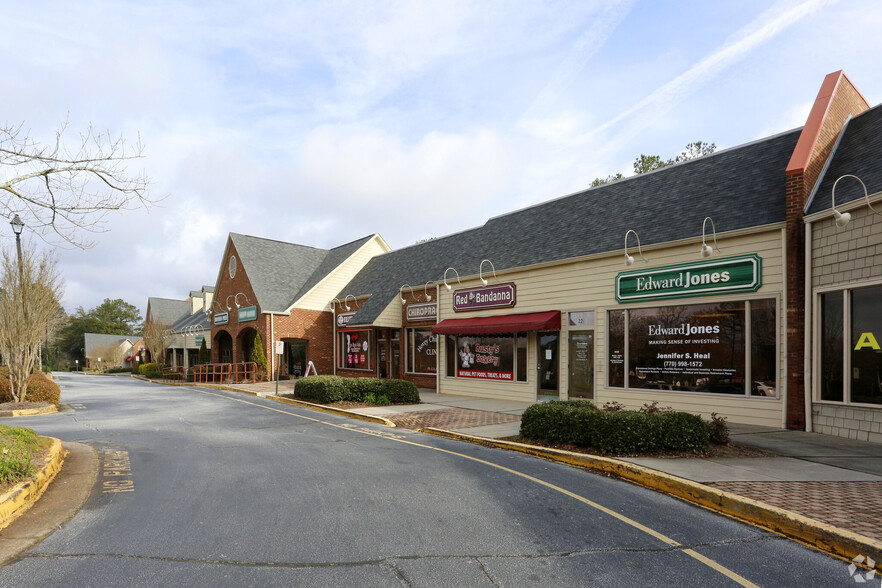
column 620, row 432
column 336, row 389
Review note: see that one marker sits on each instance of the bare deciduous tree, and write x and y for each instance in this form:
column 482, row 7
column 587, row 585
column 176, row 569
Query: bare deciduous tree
column 157, row 335
column 28, row 301
column 63, row 190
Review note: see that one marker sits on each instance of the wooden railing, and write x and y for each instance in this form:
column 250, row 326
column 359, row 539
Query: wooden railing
column 224, row 373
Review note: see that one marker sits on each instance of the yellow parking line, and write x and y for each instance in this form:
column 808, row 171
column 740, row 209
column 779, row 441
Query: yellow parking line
column 629, row 521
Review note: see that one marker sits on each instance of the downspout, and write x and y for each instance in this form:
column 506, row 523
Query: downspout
column 808, row 382
column 334, row 336
column 272, row 347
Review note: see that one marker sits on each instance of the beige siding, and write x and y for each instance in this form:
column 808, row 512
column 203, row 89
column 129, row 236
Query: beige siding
column 391, row 315
column 848, row 255
column 319, row 296
column 589, row 285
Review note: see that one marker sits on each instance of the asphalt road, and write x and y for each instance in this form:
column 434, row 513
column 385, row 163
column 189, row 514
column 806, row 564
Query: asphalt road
column 202, row 487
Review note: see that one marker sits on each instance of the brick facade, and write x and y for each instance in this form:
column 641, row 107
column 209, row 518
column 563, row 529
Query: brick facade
column 837, row 100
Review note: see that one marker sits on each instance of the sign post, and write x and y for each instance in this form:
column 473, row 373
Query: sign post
column 280, row 350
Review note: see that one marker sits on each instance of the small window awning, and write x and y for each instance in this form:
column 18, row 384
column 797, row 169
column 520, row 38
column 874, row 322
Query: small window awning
column 508, row 323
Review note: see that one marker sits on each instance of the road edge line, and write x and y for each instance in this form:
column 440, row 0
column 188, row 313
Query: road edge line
column 835, row 541
column 25, row 493
column 330, row 409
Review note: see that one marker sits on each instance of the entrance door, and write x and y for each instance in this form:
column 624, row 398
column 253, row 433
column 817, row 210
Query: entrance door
column 547, row 344
column 581, row 346
column 383, row 359
column 296, row 358
column 396, row 358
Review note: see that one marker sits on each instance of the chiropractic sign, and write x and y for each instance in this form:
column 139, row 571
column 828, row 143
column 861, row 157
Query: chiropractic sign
column 496, row 296
column 701, row 278
column 424, row 311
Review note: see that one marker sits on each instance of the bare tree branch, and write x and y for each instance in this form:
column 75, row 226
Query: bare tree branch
column 62, row 191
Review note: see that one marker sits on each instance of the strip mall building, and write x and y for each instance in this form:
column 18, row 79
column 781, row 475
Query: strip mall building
column 725, row 284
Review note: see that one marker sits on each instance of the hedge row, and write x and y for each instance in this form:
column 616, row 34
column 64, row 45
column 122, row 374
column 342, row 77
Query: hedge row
column 40, row 389
column 622, row 432
column 336, row 389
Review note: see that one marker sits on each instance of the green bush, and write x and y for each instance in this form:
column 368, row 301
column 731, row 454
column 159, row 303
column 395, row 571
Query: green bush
column 618, row 432
column 718, row 429
column 151, row 370
column 19, row 447
column 336, row 389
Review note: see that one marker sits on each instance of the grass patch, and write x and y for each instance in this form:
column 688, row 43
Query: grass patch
column 20, row 448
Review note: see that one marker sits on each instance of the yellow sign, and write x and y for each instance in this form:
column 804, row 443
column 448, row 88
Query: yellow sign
column 867, row 340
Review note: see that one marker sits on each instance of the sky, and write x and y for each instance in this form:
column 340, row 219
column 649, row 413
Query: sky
column 320, row 123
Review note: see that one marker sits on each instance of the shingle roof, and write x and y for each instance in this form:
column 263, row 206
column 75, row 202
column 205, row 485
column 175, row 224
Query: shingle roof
column 859, row 153
column 279, row 272
column 739, row 187
column 97, row 340
column 167, row 310
column 198, row 319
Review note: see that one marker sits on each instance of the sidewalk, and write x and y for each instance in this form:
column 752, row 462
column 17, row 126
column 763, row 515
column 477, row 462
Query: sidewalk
column 829, row 479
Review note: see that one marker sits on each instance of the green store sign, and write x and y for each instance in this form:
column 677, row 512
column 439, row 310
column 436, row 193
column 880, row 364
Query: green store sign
column 701, row 278
column 248, row 313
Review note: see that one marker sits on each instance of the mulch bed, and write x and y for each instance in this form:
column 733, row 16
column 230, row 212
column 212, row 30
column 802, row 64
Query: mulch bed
column 729, row 450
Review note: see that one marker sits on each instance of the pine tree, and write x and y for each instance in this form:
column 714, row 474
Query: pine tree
column 204, row 356
column 257, row 354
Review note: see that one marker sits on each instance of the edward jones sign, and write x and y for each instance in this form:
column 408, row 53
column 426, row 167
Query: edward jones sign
column 498, row 296
column 701, row 278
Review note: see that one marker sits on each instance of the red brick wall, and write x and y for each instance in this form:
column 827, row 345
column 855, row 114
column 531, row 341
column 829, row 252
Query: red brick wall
column 837, row 100
column 315, row 326
column 226, row 292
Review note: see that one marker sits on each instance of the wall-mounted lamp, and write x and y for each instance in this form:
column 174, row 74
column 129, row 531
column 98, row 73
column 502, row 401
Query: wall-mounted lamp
column 346, row 301
column 707, row 250
column 457, row 277
column 403, row 301
column 842, row 218
column 236, row 299
column 333, row 303
column 481, row 270
column 426, row 291
column 629, row 260
column 229, row 308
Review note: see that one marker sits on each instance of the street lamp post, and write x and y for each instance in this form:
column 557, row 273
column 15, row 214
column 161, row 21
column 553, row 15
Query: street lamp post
column 17, row 226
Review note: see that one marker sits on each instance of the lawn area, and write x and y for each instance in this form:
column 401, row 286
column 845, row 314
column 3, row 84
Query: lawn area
column 21, row 453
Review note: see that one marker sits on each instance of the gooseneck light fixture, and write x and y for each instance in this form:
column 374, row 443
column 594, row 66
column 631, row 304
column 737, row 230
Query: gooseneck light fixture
column 445, row 277
column 481, row 270
column 229, row 308
column 842, row 218
column 236, row 299
column 426, row 291
column 403, row 301
column 707, row 250
column 346, row 301
column 629, row 259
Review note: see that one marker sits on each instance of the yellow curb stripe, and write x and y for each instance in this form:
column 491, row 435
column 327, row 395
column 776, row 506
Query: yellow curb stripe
column 661, row 537
column 838, row 542
column 23, row 494
column 28, row 411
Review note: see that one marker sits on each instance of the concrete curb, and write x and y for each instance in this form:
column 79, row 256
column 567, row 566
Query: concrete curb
column 330, row 409
column 21, row 496
column 28, row 411
column 821, row 536
column 319, row 407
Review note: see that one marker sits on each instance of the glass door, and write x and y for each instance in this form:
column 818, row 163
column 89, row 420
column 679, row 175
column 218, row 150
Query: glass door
column 581, row 348
column 547, row 346
column 383, row 355
column 296, row 357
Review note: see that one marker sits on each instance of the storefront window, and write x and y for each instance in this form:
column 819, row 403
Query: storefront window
column 487, row 357
column 696, row 348
column 616, row 346
column 866, row 353
column 763, row 348
column 421, row 351
column 522, row 357
column 831, row 347
column 354, row 349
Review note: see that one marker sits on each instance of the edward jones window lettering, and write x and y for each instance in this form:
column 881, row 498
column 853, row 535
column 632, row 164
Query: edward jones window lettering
column 695, row 348
column 354, row 350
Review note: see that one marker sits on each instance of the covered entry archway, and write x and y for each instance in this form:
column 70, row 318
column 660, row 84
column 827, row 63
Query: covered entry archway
column 245, row 344
column 223, row 342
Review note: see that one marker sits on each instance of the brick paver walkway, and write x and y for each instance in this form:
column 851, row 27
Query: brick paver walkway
column 855, row 506
column 453, row 418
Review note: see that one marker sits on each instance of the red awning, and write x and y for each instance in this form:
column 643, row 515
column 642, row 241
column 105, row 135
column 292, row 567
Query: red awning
column 509, row 323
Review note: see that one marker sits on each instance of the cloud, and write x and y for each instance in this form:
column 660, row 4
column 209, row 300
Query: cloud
column 769, row 24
